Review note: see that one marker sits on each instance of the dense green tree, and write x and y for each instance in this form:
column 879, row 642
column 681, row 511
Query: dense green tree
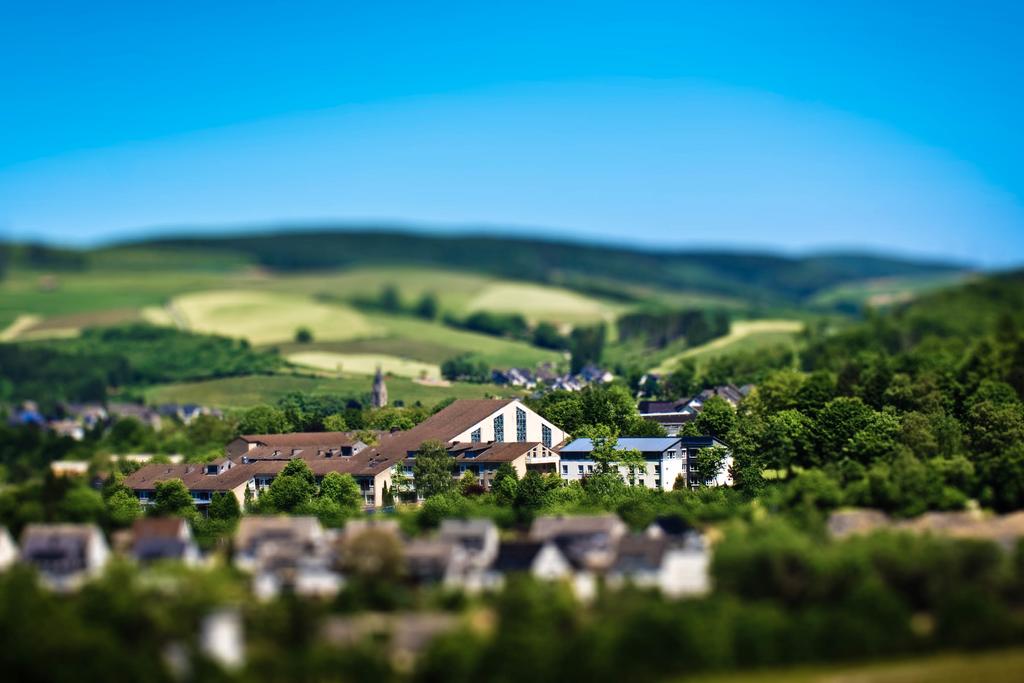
column 303, row 335
column 82, row 504
column 433, row 469
column 836, row 424
column 335, row 423
column 292, row 488
column 709, row 463
column 466, row 367
column 786, row 440
column 682, row 381
column 264, row 420
column 530, row 492
column 389, row 299
column 343, row 490
column 428, row 306
column 586, row 344
column 171, row 497
column 547, row 336
column 123, row 508
column 716, row 418
column 224, row 506
column 611, row 406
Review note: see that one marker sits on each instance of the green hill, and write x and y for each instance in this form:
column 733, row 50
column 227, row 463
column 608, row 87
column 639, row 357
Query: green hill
column 611, row 272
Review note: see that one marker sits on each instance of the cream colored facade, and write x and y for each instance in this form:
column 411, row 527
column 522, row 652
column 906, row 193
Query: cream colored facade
column 535, row 425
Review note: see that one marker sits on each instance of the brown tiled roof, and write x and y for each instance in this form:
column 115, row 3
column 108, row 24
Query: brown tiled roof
column 298, row 439
column 494, row 452
column 444, row 425
column 365, row 463
column 148, row 476
column 157, row 527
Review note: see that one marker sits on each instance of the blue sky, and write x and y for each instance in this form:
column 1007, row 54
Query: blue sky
column 787, row 126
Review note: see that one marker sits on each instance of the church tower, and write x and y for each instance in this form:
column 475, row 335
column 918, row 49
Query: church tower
column 380, row 390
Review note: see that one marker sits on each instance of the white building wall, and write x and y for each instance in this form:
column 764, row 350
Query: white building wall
column 533, row 426
column 659, row 473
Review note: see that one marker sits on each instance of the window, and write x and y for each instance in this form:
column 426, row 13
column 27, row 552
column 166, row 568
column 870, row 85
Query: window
column 590, row 468
column 657, row 469
column 657, row 483
column 520, row 425
column 499, row 428
column 565, row 469
column 475, row 436
column 581, row 469
column 545, row 435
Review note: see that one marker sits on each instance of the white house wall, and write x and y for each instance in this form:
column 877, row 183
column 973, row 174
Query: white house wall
column 533, row 426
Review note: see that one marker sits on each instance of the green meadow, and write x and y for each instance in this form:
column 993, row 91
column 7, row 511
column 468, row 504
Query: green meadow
column 242, row 392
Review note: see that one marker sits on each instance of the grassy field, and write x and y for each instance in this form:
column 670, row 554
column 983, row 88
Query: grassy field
column 1004, row 666
column 242, row 392
column 538, row 302
column 268, row 317
column 457, row 292
column 364, row 363
column 882, row 292
column 744, row 335
column 28, row 292
column 495, row 350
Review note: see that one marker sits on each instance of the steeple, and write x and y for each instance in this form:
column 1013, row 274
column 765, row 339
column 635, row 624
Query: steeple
column 380, row 390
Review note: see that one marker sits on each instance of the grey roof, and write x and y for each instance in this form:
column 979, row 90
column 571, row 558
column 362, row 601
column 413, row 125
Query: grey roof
column 465, row 527
column 517, row 556
column 644, row 444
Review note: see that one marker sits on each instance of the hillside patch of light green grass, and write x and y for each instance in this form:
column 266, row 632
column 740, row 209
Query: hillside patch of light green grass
column 363, row 363
column 744, row 335
column 244, row 392
column 267, row 317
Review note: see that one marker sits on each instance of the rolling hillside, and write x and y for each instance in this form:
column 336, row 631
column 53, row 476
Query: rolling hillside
column 263, row 288
column 612, row 272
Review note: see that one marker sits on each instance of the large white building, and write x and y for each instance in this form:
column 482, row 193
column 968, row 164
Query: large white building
column 667, row 458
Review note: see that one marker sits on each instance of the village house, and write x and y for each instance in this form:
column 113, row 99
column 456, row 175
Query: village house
column 286, row 553
column 155, row 539
column 65, row 555
column 135, row 411
column 479, row 538
column 674, row 415
column 541, row 560
column 434, row 561
column 589, row 541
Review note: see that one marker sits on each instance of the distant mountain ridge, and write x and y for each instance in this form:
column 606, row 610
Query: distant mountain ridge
column 598, row 268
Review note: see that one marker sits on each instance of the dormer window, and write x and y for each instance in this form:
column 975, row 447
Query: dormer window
column 212, row 469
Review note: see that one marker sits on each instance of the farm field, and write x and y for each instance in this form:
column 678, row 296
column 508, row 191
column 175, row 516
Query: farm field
column 82, row 293
column 267, row 317
column 1004, row 666
column 538, row 302
column 364, row 363
column 457, row 292
column 744, row 335
column 495, row 350
column 243, row 392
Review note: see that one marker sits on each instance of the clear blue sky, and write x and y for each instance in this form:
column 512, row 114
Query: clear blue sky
column 792, row 126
